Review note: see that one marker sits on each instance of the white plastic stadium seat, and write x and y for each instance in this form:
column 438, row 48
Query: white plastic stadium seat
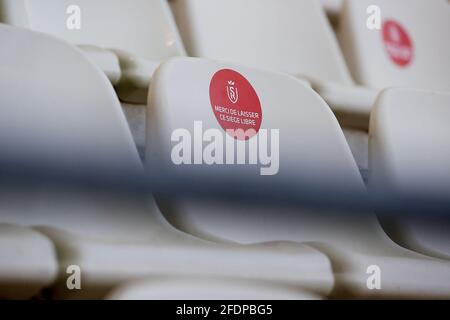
column 128, row 38
column 60, row 111
column 410, row 50
column 312, row 150
column 292, row 36
column 410, row 155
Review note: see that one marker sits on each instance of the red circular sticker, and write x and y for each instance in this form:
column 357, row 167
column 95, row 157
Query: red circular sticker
column 235, row 104
column 398, row 43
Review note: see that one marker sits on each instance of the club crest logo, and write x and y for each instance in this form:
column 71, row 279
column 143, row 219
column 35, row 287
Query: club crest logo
column 232, row 92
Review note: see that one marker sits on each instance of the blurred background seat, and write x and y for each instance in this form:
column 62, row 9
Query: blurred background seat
column 28, row 262
column 295, row 38
column 409, row 155
column 63, row 117
column 410, row 50
column 198, row 289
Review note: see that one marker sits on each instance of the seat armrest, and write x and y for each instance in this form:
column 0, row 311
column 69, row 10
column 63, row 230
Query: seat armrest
column 106, row 60
column 137, row 73
column 129, row 74
column 351, row 104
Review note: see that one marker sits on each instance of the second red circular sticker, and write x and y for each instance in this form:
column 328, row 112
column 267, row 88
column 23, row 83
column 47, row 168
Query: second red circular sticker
column 235, row 104
column 398, row 43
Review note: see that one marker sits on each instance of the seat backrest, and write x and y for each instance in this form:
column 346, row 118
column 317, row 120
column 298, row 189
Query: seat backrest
column 291, row 36
column 410, row 156
column 410, row 142
column 144, row 28
column 192, row 104
column 410, row 49
column 57, row 106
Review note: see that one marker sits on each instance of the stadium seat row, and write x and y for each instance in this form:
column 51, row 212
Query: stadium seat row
column 58, row 106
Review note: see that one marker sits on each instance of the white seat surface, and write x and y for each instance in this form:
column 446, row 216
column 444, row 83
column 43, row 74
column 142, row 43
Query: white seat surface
column 410, row 50
column 105, row 265
column 298, row 40
column 140, row 27
column 409, row 155
column 292, row 36
column 61, row 112
column 352, row 243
